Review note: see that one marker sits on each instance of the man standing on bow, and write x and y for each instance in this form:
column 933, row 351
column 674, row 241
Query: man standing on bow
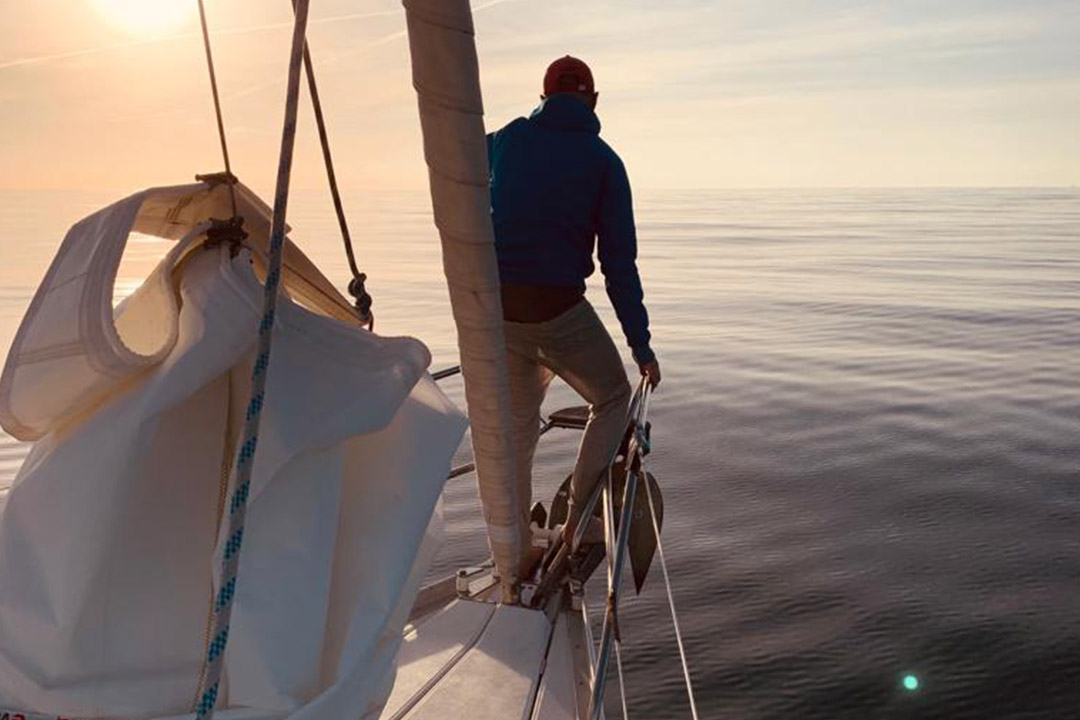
column 558, row 190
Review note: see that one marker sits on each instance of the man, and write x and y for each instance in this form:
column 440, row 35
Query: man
column 557, row 190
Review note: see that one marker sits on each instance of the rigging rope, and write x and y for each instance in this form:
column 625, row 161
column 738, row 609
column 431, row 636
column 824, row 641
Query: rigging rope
column 230, row 178
column 215, row 653
column 609, row 542
column 671, row 600
column 361, row 298
column 622, row 683
column 356, row 285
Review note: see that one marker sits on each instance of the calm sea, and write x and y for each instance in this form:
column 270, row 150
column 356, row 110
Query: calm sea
column 868, row 437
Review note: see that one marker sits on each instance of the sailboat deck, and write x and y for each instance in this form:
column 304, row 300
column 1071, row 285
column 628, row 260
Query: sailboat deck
column 485, row 661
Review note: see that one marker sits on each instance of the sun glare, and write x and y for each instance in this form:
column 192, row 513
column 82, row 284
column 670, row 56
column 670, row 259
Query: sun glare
column 146, row 17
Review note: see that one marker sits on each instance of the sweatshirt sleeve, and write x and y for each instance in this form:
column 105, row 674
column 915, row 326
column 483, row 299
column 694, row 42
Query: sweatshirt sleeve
column 617, row 247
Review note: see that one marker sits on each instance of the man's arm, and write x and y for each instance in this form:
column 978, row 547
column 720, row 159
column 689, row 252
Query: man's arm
column 617, row 245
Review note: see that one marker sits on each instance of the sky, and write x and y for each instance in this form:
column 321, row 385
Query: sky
column 693, row 93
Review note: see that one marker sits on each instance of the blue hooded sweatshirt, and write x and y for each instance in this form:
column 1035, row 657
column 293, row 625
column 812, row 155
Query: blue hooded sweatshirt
column 557, row 190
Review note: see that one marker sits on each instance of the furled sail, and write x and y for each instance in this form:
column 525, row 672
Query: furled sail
column 447, row 81
column 110, row 536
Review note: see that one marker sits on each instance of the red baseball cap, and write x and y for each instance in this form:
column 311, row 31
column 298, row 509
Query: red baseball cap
column 568, row 74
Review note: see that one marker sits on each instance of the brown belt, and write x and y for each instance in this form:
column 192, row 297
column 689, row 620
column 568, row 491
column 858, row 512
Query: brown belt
column 537, row 303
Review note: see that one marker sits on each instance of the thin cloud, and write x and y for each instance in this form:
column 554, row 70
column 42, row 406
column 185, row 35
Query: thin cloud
column 102, row 49
column 322, row 62
column 338, row 57
column 318, row 62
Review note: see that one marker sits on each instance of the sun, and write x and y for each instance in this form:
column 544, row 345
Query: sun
column 146, row 17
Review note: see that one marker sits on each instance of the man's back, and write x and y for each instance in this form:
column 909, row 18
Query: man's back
column 547, row 177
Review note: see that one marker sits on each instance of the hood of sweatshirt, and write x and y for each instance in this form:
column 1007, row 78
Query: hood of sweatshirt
column 566, row 112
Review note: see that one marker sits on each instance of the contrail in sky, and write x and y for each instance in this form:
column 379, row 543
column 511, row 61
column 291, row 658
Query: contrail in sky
column 41, row 59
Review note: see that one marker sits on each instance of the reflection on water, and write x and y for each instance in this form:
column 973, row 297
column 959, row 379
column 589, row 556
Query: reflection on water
column 867, row 437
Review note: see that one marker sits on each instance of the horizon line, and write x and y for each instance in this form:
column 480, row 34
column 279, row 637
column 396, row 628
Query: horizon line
column 638, row 188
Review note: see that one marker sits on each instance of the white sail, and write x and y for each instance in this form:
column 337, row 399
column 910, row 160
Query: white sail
column 64, row 361
column 447, row 81
column 108, row 536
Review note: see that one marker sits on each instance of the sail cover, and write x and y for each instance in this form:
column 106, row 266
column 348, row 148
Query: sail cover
column 447, row 81
column 109, row 538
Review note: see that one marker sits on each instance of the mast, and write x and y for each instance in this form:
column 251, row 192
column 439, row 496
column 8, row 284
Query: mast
column 447, row 81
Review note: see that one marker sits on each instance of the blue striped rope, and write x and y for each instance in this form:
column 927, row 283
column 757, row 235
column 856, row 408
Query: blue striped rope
column 230, row 564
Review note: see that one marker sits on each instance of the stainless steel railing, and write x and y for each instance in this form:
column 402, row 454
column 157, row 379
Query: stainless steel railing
column 617, row 544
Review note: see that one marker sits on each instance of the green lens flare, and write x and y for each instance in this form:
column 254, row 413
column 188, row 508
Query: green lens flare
column 911, row 683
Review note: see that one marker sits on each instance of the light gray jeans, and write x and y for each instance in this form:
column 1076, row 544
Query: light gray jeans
column 576, row 347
